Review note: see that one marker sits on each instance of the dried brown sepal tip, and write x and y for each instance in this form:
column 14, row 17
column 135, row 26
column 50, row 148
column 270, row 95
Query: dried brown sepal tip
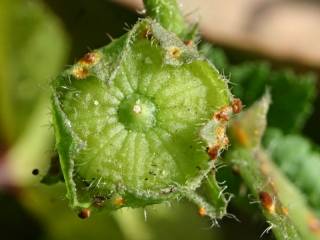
column 84, row 213
column 202, row 212
column 267, row 202
column 236, row 105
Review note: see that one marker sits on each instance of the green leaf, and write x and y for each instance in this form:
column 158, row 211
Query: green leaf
column 292, row 94
column 216, row 55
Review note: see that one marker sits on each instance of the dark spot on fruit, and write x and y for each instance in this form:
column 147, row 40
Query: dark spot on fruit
column 35, row 171
column 147, row 33
column 168, row 190
column 84, row 213
column 236, row 170
column 98, row 201
column 86, row 183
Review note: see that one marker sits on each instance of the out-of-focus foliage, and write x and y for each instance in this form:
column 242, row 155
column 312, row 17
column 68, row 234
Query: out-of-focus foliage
column 33, row 48
column 292, row 94
column 299, row 160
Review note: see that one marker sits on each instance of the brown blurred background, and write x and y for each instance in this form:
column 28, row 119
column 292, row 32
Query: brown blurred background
column 285, row 30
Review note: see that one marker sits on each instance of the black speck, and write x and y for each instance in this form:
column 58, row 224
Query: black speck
column 35, row 171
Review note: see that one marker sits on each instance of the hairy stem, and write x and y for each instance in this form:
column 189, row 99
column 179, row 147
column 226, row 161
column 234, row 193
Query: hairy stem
column 168, row 14
column 283, row 205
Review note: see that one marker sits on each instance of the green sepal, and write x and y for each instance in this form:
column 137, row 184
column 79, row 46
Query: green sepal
column 128, row 120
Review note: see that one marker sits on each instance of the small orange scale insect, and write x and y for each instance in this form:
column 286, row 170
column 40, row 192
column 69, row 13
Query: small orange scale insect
column 89, row 58
column 80, row 72
column 84, row 213
column 223, row 114
column 236, row 105
column 188, row 43
column 202, row 212
column 267, row 202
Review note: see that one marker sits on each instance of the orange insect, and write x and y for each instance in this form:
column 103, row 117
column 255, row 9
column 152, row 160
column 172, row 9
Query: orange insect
column 89, row 58
column 202, row 212
column 236, row 105
column 188, row 43
column 80, row 72
column 84, row 213
column 267, row 201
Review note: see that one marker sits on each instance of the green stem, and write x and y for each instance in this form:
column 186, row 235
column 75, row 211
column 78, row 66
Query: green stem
column 282, row 203
column 168, row 14
column 287, row 213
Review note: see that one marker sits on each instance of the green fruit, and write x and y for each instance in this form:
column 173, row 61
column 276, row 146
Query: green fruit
column 133, row 121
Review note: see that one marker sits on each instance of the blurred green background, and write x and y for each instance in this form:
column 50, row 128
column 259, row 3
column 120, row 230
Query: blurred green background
column 38, row 39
